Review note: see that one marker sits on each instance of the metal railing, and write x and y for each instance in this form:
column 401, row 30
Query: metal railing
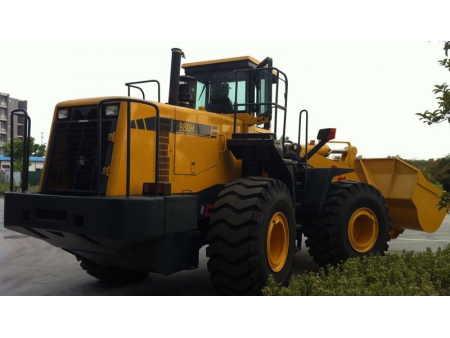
column 128, row 140
column 132, row 85
column 270, row 104
column 26, row 149
column 304, row 160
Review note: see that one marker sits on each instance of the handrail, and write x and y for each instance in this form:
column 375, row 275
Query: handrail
column 26, row 150
column 275, row 104
column 305, row 162
column 306, row 132
column 128, row 172
column 131, row 85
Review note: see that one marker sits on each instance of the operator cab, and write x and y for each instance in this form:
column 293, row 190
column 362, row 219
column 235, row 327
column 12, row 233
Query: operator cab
column 221, row 86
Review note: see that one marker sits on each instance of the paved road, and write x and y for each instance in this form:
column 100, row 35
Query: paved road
column 29, row 266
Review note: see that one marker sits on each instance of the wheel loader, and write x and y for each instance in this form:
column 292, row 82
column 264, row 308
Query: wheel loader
column 133, row 186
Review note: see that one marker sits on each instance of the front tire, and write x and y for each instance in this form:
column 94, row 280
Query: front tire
column 251, row 236
column 354, row 222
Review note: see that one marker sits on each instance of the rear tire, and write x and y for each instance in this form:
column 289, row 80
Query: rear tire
column 354, row 222
column 113, row 275
column 251, row 236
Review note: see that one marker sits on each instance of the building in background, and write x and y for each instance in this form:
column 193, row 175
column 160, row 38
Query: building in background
column 34, row 173
column 7, row 104
column 36, row 163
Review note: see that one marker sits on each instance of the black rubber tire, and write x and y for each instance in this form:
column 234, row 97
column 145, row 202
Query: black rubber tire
column 245, row 213
column 328, row 236
column 112, row 275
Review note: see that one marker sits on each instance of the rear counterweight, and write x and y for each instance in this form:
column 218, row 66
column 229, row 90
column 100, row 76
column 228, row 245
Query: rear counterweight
column 141, row 233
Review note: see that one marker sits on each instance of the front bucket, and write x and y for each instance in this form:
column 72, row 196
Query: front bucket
column 412, row 200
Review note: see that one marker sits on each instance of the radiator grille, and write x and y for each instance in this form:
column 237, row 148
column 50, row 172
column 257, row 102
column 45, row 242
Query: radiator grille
column 72, row 164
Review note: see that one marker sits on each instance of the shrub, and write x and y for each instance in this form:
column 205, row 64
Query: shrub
column 407, row 274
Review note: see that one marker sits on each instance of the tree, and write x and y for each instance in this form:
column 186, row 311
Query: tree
column 428, row 168
column 437, row 116
column 35, row 150
column 443, row 97
column 441, row 171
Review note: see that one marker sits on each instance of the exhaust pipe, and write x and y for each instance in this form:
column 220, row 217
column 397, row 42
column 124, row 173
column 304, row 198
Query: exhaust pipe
column 177, row 54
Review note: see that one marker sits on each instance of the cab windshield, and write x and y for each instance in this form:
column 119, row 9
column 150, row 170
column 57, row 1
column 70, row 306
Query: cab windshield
column 216, row 91
column 221, row 87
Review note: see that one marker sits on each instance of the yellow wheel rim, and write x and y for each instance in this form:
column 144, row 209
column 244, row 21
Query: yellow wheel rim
column 363, row 230
column 277, row 241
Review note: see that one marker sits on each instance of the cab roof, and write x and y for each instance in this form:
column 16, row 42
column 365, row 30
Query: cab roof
column 235, row 62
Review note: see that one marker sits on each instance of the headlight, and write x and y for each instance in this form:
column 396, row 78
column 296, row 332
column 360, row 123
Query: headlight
column 111, row 111
column 63, row 114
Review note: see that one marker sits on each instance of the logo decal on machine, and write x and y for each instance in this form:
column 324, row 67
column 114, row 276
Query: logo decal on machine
column 177, row 127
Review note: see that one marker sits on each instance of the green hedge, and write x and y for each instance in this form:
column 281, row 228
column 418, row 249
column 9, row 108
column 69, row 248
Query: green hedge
column 407, row 274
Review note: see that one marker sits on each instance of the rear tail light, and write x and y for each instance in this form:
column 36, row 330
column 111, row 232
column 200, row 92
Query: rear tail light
column 163, row 189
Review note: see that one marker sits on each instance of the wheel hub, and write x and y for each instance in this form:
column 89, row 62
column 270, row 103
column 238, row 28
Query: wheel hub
column 363, row 230
column 277, row 241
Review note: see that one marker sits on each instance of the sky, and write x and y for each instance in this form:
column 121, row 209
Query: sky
column 368, row 83
column 369, row 91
